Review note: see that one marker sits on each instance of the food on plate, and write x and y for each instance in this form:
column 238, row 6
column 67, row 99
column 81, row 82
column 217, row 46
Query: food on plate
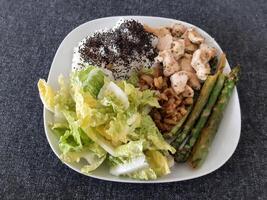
column 205, row 92
column 184, row 68
column 177, row 128
column 138, row 98
column 173, row 106
column 184, row 150
column 98, row 118
column 124, row 48
column 201, row 148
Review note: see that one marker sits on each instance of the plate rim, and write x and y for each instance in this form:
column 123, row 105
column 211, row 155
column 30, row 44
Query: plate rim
column 116, row 179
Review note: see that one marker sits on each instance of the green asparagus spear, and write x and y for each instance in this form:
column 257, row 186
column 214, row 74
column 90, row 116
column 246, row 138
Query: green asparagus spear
column 201, row 148
column 184, row 151
column 200, row 103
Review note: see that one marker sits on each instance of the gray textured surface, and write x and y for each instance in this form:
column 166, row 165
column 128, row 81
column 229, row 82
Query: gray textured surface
column 31, row 31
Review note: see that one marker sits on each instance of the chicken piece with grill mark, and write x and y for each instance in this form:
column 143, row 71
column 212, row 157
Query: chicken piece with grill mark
column 170, row 65
column 200, row 61
column 179, row 81
column 194, row 36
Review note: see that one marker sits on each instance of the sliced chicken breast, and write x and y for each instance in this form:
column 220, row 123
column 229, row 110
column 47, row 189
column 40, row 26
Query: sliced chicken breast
column 179, row 81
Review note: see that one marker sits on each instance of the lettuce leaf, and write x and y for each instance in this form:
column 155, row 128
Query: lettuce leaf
column 73, row 139
column 90, row 79
column 158, row 162
column 75, row 144
column 89, row 112
column 84, row 102
column 112, row 95
column 93, row 158
column 158, row 166
column 122, row 127
column 118, row 129
column 149, row 98
column 128, row 158
column 94, row 135
column 56, row 101
column 132, row 162
column 149, row 131
column 129, row 166
column 63, row 97
column 131, row 149
column 59, row 129
column 139, row 99
column 93, row 164
column 145, row 174
column 47, row 95
column 133, row 79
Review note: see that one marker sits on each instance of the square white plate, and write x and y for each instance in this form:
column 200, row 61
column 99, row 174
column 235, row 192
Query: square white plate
column 226, row 139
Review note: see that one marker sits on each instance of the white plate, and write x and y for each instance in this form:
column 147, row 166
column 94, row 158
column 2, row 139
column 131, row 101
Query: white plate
column 226, row 139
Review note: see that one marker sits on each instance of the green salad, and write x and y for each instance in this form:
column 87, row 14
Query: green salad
column 98, row 119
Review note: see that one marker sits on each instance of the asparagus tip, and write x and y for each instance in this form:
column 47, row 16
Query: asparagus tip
column 234, row 74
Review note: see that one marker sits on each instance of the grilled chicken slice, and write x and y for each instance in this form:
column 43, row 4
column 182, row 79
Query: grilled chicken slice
column 164, row 42
column 211, row 52
column 159, row 32
column 178, row 48
column 170, row 65
column 194, row 36
column 179, row 81
column 189, row 46
column 185, row 63
column 188, row 92
column 178, row 30
column 200, row 61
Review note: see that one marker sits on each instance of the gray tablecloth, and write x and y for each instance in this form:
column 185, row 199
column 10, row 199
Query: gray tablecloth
column 30, row 33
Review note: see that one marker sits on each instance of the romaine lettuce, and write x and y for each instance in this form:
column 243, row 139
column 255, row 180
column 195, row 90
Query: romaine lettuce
column 151, row 133
column 112, row 95
column 96, row 117
column 144, row 174
column 158, row 162
column 90, row 79
column 47, row 95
